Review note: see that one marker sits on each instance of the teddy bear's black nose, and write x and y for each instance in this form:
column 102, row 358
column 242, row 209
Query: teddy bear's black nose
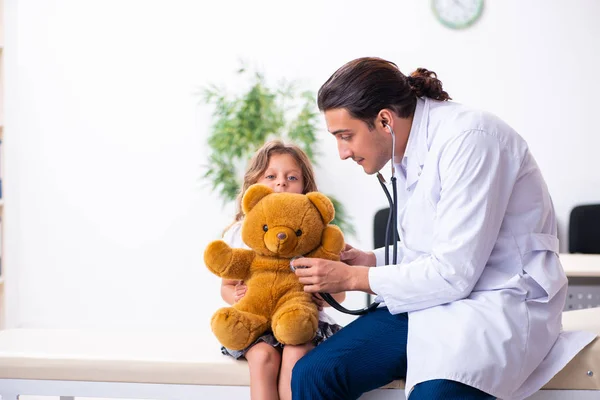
column 281, row 236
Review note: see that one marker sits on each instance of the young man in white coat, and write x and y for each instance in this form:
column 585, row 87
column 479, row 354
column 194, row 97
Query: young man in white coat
column 473, row 306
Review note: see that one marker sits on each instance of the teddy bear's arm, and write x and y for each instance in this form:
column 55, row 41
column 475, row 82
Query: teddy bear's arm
column 332, row 243
column 226, row 262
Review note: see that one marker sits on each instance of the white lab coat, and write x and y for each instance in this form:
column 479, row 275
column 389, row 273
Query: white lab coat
column 478, row 271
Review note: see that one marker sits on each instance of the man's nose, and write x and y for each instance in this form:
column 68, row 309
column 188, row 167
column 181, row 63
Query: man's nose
column 345, row 153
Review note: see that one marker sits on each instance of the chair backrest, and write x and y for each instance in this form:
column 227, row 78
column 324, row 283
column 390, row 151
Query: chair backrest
column 584, row 229
column 379, row 226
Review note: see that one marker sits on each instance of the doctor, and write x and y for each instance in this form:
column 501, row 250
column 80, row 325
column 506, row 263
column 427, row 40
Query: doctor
column 473, row 305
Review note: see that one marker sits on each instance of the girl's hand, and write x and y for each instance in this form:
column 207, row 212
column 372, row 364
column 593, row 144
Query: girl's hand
column 352, row 256
column 316, row 297
column 239, row 292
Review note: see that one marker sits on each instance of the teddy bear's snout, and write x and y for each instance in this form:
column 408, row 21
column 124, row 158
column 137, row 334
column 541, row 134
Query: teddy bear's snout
column 281, row 240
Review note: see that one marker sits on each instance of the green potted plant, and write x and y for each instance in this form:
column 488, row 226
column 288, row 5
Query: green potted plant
column 243, row 122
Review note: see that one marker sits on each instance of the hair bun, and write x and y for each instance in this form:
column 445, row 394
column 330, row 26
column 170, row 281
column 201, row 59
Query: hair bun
column 424, row 83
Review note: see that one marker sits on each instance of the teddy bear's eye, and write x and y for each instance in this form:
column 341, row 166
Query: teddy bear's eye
column 265, row 228
column 298, row 232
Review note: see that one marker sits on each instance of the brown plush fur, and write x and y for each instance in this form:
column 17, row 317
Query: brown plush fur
column 277, row 227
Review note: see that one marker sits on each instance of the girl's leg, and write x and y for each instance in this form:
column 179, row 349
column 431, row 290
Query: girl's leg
column 264, row 361
column 291, row 354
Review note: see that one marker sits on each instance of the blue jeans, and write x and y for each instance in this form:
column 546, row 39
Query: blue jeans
column 368, row 353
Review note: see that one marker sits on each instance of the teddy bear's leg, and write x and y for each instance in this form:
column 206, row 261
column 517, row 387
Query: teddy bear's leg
column 296, row 321
column 237, row 329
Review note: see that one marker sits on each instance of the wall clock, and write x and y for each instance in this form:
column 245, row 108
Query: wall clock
column 457, row 14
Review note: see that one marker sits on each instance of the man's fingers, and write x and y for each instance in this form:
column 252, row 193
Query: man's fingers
column 348, row 253
column 307, row 280
column 310, row 268
column 303, row 262
column 312, row 288
column 303, row 272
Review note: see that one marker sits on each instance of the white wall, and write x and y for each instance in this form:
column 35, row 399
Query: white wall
column 106, row 219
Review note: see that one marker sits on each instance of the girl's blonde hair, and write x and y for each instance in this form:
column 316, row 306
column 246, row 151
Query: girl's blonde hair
column 260, row 162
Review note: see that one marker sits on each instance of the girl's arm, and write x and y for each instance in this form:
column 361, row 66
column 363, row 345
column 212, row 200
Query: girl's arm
column 232, row 290
column 339, row 297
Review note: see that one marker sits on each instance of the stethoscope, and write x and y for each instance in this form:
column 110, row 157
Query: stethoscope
column 391, row 232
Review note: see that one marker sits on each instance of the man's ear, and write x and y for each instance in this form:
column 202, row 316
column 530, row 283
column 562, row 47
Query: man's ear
column 384, row 117
column 253, row 195
column 323, row 204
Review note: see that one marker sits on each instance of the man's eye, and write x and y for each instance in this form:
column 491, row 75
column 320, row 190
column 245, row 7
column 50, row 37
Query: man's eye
column 345, row 138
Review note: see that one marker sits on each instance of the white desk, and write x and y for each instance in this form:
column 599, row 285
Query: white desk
column 581, row 265
column 583, row 271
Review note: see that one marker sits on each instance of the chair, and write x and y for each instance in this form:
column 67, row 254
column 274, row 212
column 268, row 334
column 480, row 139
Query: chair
column 584, row 229
column 379, row 226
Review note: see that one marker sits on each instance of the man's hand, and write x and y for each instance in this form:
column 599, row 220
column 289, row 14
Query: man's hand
column 320, row 275
column 352, row 256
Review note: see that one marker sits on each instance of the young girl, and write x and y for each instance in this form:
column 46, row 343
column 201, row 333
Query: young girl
column 284, row 168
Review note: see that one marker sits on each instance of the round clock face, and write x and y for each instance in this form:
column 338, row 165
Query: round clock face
column 457, row 14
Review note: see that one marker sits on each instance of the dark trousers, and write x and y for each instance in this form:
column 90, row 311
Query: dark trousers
column 368, row 353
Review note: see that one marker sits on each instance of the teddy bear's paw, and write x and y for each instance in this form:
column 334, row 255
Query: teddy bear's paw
column 237, row 329
column 217, row 256
column 296, row 324
column 332, row 240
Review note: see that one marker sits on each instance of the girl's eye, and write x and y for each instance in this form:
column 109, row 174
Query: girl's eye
column 265, row 228
column 292, row 178
column 270, row 176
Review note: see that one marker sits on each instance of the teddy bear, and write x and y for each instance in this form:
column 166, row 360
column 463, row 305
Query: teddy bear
column 277, row 227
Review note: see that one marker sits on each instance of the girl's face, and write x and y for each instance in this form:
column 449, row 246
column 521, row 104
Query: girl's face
column 283, row 174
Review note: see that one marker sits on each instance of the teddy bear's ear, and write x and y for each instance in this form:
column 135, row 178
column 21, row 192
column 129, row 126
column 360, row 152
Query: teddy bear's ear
column 253, row 195
column 323, row 204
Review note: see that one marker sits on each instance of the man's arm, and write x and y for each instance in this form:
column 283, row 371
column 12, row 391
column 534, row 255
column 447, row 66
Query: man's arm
column 477, row 176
